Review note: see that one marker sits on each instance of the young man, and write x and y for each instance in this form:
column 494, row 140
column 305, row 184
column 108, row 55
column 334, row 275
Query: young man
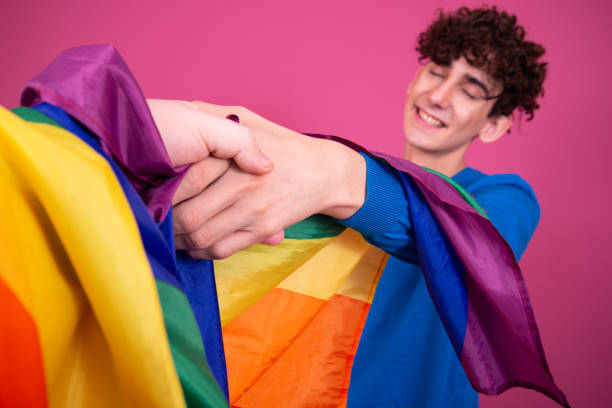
column 478, row 71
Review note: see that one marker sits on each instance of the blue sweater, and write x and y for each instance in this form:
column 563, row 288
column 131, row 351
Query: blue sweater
column 423, row 366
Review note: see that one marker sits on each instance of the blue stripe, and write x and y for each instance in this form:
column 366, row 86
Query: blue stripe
column 442, row 269
column 198, row 279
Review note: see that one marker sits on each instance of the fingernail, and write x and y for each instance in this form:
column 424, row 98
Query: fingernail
column 266, row 162
column 233, row 117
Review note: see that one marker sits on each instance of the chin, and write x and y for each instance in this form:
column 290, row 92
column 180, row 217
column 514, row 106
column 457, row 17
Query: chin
column 420, row 142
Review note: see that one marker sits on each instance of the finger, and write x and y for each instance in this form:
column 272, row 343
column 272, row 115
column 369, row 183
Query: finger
column 275, row 239
column 215, row 229
column 199, row 176
column 232, row 244
column 228, row 246
column 191, row 214
column 226, row 139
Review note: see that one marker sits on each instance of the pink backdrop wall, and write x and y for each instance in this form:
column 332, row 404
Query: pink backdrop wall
column 341, row 67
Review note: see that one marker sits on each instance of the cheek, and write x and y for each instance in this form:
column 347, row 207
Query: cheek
column 468, row 119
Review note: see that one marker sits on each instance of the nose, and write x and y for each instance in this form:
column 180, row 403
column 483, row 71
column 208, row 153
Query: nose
column 441, row 94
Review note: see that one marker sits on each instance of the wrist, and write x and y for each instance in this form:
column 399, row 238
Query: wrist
column 346, row 179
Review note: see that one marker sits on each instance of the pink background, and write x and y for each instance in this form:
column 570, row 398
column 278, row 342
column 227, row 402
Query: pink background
column 341, row 67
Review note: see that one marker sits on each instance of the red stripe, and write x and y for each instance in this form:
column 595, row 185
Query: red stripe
column 22, row 378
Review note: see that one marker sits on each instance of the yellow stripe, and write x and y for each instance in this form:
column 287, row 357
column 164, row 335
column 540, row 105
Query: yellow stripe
column 247, row 276
column 363, row 280
column 326, row 272
column 71, row 252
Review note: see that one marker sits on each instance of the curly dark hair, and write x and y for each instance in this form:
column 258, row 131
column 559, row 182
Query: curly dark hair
column 492, row 41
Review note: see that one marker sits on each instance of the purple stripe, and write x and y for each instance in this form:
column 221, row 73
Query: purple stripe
column 94, row 85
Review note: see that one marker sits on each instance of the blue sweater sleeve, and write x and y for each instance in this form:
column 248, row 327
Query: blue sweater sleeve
column 384, row 218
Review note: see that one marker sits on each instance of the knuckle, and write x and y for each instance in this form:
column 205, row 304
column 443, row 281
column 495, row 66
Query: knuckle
column 197, row 240
column 267, row 228
column 220, row 252
column 263, row 214
column 185, row 219
column 248, row 185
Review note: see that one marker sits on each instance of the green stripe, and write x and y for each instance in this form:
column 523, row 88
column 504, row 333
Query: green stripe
column 316, row 226
column 32, row 115
column 199, row 386
column 466, row 196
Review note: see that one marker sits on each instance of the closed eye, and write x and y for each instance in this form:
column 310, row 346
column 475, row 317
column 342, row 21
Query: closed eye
column 473, row 91
column 436, row 74
column 469, row 95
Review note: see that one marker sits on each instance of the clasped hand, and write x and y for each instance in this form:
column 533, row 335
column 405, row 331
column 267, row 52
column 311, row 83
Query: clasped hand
column 232, row 196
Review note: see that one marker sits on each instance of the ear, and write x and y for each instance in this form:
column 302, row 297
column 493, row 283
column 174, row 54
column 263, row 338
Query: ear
column 495, row 128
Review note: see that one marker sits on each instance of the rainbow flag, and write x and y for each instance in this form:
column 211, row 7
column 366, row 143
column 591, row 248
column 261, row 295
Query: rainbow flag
column 100, row 314
column 100, row 311
column 85, row 323
column 291, row 335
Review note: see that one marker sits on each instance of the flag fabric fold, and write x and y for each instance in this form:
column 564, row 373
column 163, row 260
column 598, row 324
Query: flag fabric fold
column 94, row 85
column 472, row 276
column 98, row 301
column 74, row 263
column 200, row 385
column 101, row 100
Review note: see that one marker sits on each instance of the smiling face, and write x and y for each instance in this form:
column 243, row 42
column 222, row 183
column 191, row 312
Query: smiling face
column 447, row 107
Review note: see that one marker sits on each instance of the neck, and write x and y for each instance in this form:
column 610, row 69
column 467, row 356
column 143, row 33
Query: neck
column 447, row 163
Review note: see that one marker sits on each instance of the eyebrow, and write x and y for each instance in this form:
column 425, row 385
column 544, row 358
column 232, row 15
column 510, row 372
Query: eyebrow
column 472, row 79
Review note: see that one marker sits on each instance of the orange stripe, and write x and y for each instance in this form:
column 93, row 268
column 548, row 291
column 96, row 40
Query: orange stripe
column 22, row 381
column 306, row 362
column 258, row 337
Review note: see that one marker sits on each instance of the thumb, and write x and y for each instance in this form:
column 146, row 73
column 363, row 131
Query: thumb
column 228, row 140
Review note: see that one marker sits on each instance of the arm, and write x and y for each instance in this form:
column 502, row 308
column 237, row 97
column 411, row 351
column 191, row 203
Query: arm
column 240, row 209
column 384, row 218
column 312, row 176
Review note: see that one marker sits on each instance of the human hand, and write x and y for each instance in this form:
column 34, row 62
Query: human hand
column 239, row 209
column 190, row 135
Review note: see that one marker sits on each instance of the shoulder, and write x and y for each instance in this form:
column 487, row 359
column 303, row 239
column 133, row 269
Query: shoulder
column 475, row 180
column 510, row 203
column 511, row 187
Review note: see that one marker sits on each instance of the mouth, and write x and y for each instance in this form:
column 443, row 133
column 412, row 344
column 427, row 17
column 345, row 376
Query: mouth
column 429, row 120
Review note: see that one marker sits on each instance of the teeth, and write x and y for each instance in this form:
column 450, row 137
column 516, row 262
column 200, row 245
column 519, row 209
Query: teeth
column 430, row 120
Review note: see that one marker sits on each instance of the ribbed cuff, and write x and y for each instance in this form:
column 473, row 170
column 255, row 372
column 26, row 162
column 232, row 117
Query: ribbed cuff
column 385, row 201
